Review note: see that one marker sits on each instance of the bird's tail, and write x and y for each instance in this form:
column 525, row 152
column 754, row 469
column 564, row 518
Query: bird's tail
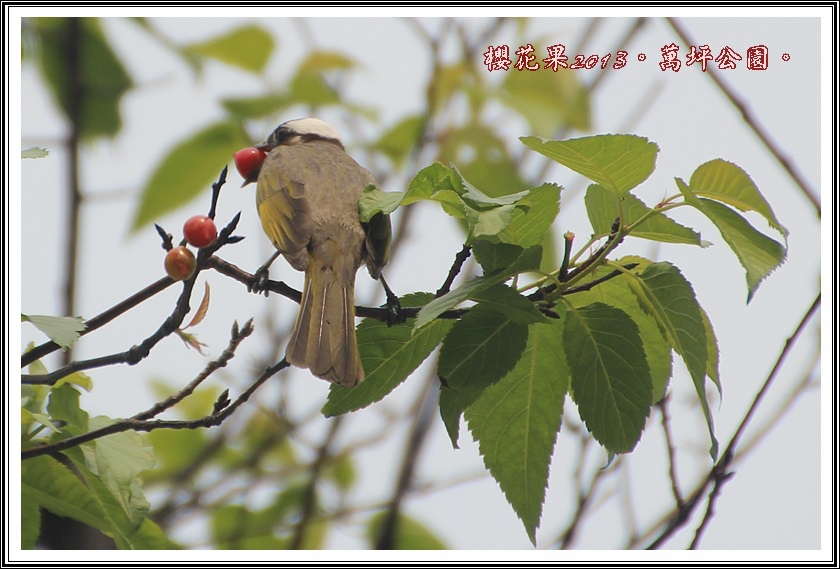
column 324, row 336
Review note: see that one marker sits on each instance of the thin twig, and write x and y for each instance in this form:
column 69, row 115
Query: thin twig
column 212, row 420
column 309, row 499
column 132, row 423
column 422, row 422
column 672, row 460
column 719, row 471
column 459, row 261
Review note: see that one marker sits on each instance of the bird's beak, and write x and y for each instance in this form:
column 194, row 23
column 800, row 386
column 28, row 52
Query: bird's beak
column 255, row 174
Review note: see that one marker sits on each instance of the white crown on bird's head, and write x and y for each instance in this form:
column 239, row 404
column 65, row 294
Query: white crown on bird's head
column 303, row 130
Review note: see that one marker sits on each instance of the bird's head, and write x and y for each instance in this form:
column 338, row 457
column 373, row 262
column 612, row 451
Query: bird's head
column 298, row 131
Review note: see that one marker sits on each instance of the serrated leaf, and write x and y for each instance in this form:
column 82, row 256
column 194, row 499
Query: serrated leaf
column 477, row 199
column 77, row 378
column 30, row 522
column 726, row 182
column 63, row 330
column 533, row 219
column 602, row 209
column 757, row 253
column 619, row 162
column 150, row 536
column 665, row 294
column 487, row 223
column 480, row 349
column 116, row 523
column 452, row 405
column 616, row 292
column 34, row 152
column 177, row 181
column 374, row 200
column 525, row 260
column 51, row 485
column 509, row 303
column 389, row 355
column 118, row 460
column 712, row 352
column 64, row 406
column 483, row 158
column 611, row 382
column 247, row 47
column 432, row 179
column 410, row 533
column 516, row 421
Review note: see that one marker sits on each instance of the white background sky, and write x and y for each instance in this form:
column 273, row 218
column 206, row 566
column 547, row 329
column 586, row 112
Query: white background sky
column 776, row 499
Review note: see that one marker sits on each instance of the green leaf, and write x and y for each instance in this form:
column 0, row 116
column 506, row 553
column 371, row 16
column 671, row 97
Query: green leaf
column 30, row 522
column 509, row 303
column 150, row 536
column 665, row 294
column 389, row 355
column 757, row 253
column 247, row 47
column 480, row 349
column 452, row 404
column 400, row 139
column 320, row 61
column 534, row 217
column 34, row 152
column 728, row 183
column 257, row 107
column 310, row 88
column 432, row 180
column 483, row 158
column 524, row 261
column 516, row 420
column 118, row 460
column 115, row 522
column 602, row 208
column 487, row 223
column 548, row 100
column 91, row 87
column 64, row 406
column 188, row 170
column 176, row 449
column 51, row 485
column 619, row 162
column 712, row 354
column 617, row 292
column 611, row 382
column 78, row 378
column 63, row 330
column 410, row 533
column 374, row 200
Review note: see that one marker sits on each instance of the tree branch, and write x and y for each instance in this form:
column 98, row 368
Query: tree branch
column 137, row 423
column 719, row 472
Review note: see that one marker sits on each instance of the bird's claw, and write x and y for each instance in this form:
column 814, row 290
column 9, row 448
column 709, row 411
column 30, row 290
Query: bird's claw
column 259, row 283
column 395, row 311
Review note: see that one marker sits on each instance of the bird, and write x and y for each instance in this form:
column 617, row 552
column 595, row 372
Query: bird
column 308, row 191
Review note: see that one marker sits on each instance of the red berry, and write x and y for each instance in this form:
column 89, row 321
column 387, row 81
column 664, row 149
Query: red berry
column 179, row 263
column 248, row 161
column 200, row 231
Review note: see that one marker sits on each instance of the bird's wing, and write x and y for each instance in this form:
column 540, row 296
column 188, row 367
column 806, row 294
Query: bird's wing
column 283, row 208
